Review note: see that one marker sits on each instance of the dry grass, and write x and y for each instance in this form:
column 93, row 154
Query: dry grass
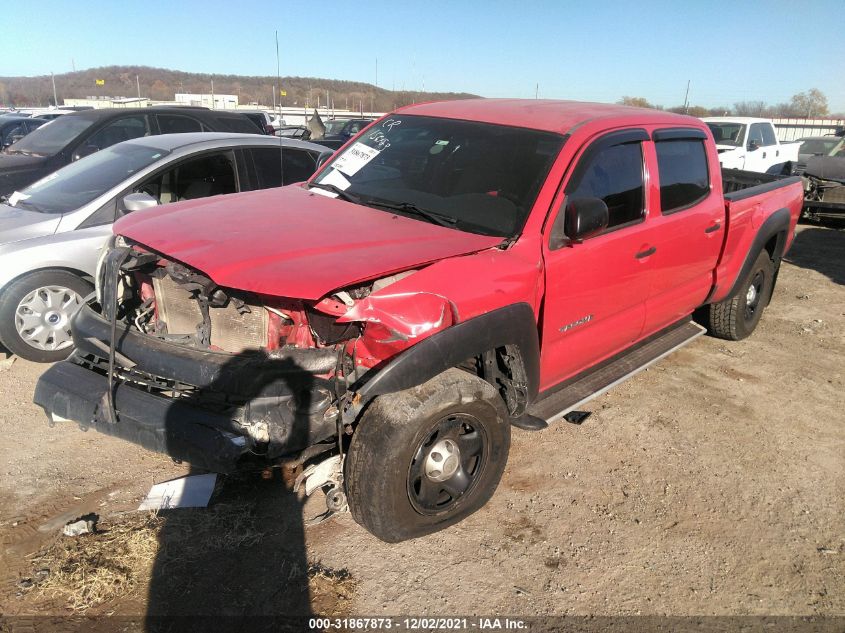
column 331, row 590
column 90, row 570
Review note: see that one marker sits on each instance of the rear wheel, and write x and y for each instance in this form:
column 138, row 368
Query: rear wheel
column 426, row 458
column 35, row 312
column 736, row 317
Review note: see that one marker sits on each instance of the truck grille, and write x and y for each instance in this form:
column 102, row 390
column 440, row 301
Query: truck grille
column 230, row 330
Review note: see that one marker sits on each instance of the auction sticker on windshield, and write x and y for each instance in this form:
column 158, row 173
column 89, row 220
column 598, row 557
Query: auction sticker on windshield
column 355, row 158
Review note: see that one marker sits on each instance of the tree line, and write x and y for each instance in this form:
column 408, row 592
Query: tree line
column 160, row 84
column 809, row 104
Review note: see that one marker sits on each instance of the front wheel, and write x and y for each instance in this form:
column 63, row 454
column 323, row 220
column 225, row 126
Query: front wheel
column 35, row 312
column 424, row 459
column 736, row 317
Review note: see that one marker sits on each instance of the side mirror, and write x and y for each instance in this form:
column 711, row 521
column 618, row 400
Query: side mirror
column 752, row 146
column 85, row 150
column 14, row 138
column 323, row 157
column 138, row 201
column 585, row 217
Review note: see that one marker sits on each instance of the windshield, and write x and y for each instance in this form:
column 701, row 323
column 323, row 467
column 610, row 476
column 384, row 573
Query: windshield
column 477, row 177
column 335, row 126
column 818, row 146
column 80, row 182
column 51, row 138
column 727, row 133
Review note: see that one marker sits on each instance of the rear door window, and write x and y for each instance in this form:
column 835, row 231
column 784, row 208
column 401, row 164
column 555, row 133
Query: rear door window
column 682, row 169
column 176, row 124
column 615, row 175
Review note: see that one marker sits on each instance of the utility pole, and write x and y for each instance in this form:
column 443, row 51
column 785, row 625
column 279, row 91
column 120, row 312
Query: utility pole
column 537, row 90
column 278, row 78
column 212, row 93
column 55, row 99
column 686, row 99
column 138, row 84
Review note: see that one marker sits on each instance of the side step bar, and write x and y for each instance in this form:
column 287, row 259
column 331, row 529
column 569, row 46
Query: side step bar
column 581, row 389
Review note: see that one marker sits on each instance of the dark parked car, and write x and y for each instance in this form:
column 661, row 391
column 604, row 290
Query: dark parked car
column 51, row 232
column 13, row 129
column 261, row 119
column 338, row 131
column 294, row 131
column 72, row 136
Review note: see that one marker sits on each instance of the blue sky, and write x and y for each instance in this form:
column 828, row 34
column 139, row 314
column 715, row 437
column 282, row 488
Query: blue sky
column 731, row 51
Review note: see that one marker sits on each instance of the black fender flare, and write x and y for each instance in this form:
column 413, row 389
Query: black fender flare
column 511, row 325
column 777, row 224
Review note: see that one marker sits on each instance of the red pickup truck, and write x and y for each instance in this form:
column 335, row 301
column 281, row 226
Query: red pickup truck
column 454, row 270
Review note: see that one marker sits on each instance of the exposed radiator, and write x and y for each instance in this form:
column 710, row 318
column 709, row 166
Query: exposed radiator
column 230, row 330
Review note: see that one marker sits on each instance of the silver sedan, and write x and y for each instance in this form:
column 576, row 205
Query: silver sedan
column 51, row 233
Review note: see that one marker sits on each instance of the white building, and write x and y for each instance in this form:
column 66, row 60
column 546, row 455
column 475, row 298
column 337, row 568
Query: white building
column 212, row 101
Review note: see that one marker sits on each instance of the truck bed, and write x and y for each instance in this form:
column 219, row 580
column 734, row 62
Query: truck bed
column 751, row 199
column 738, row 184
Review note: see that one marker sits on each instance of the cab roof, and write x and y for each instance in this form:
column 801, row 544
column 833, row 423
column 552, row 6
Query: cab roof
column 545, row 114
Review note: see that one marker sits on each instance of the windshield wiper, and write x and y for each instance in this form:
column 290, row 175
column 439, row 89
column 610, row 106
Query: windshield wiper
column 410, row 207
column 343, row 195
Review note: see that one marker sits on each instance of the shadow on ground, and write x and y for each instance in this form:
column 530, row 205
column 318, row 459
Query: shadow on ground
column 822, row 250
column 242, row 564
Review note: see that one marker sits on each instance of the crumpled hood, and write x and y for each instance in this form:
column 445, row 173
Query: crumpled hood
column 291, row 242
column 20, row 224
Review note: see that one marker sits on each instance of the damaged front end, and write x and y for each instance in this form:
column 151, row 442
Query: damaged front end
column 221, row 378
column 824, row 187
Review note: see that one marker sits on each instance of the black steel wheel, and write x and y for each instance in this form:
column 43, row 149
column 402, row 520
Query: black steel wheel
column 447, row 464
column 736, row 317
column 424, row 459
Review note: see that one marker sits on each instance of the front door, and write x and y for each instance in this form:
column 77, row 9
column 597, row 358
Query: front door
column 596, row 290
column 760, row 158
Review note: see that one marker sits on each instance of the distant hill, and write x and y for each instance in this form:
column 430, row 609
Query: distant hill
column 161, row 84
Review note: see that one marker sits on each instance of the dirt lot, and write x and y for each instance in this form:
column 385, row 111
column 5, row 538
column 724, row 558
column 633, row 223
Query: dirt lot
column 710, row 484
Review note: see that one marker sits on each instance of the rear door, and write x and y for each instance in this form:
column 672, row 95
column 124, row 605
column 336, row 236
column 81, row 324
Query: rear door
column 689, row 226
column 596, row 290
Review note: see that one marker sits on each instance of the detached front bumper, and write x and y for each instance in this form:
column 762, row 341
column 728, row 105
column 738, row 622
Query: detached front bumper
column 211, row 409
column 207, row 440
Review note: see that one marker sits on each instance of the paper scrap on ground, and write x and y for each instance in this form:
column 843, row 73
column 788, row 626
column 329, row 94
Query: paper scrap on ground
column 355, row 158
column 186, row 492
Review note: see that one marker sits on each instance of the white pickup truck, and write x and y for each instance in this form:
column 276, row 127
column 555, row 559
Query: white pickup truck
column 751, row 144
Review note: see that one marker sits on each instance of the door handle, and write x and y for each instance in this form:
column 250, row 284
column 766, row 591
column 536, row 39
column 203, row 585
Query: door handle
column 764, row 154
column 713, row 227
column 646, row 253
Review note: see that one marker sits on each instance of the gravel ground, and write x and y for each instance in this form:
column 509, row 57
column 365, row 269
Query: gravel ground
column 710, row 484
